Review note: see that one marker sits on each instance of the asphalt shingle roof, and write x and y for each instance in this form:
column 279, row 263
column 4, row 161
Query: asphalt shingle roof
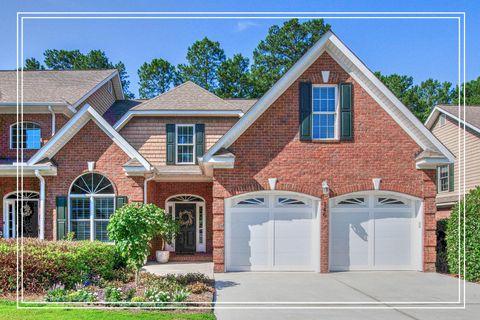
column 51, row 85
column 472, row 113
column 189, row 96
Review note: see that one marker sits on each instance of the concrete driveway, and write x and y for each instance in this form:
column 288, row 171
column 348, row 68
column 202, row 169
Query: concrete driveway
column 345, row 295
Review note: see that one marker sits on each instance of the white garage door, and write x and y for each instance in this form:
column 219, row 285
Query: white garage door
column 375, row 231
column 271, row 232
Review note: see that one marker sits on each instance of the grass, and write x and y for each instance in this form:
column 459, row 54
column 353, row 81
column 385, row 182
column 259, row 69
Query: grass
column 8, row 310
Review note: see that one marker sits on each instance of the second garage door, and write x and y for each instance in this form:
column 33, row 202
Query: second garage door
column 271, row 232
column 375, row 231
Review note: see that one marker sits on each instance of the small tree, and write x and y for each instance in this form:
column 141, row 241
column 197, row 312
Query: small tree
column 133, row 226
column 455, row 237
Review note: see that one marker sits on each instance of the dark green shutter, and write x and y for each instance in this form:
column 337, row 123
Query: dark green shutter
column 305, row 100
column 120, row 201
column 451, row 177
column 171, row 144
column 346, row 111
column 437, row 179
column 199, row 140
column 62, row 204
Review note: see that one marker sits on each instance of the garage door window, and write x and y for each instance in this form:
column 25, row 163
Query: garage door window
column 389, row 201
column 284, row 202
column 257, row 201
column 353, row 201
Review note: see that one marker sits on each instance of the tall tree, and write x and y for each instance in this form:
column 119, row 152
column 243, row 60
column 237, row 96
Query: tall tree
column 75, row 60
column 234, row 78
column 281, row 48
column 421, row 98
column 33, row 64
column 156, row 77
column 472, row 93
column 204, row 58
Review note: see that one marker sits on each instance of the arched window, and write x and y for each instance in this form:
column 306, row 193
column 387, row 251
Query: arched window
column 26, row 135
column 92, row 202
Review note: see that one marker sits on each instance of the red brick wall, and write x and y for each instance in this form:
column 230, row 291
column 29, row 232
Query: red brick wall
column 159, row 192
column 45, row 122
column 443, row 213
column 9, row 184
column 89, row 144
column 271, row 148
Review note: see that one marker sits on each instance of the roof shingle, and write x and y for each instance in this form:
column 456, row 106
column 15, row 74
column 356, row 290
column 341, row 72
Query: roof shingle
column 472, row 113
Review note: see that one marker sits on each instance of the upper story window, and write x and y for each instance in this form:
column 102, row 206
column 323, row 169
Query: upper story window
column 443, row 178
column 185, row 143
column 26, row 135
column 110, row 87
column 324, row 112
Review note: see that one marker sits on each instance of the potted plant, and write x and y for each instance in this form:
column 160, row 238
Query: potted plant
column 167, row 230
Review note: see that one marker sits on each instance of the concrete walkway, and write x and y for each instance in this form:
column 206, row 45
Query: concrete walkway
column 350, row 295
column 179, row 268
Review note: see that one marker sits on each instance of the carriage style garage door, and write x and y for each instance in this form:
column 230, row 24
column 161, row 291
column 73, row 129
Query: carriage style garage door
column 272, row 232
column 375, row 231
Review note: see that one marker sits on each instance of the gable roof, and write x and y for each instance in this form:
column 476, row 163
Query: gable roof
column 330, row 43
column 187, row 96
column 68, row 87
column 118, row 109
column 73, row 126
column 471, row 116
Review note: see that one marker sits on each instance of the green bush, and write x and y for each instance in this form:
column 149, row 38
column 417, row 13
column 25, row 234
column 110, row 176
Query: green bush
column 62, row 295
column 455, row 237
column 46, row 263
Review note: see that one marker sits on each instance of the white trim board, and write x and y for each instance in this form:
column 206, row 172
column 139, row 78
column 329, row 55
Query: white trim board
column 176, row 113
column 77, row 122
column 357, row 69
column 436, row 112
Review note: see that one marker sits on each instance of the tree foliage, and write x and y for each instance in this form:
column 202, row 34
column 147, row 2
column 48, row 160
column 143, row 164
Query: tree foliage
column 281, row 48
column 234, row 78
column 134, row 225
column 204, row 58
column 156, row 77
column 75, row 60
column 472, row 93
column 456, row 234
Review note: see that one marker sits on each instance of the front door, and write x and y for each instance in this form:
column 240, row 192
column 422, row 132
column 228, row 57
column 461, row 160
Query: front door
column 15, row 212
column 185, row 214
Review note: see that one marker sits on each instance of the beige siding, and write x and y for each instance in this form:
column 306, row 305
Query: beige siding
column 101, row 99
column 148, row 134
column 449, row 136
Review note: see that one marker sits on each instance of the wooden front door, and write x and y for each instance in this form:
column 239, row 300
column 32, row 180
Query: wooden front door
column 185, row 213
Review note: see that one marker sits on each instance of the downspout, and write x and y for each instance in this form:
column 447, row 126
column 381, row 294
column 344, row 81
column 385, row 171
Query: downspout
column 145, row 188
column 42, row 205
column 53, row 119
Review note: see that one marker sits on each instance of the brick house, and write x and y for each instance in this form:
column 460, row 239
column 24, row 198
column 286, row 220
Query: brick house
column 326, row 171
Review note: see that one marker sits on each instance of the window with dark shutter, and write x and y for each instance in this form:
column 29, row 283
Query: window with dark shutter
column 199, row 141
column 61, row 203
column 305, row 111
column 346, row 111
column 170, row 143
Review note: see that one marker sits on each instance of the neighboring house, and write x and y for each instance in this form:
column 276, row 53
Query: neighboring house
column 447, row 123
column 327, row 171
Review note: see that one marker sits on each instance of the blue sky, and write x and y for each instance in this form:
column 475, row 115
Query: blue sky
column 420, row 48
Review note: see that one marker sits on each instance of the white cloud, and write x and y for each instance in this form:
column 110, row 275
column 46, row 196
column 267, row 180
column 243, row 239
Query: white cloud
column 244, row 25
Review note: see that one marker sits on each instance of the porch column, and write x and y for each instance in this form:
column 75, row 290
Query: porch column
column 41, row 209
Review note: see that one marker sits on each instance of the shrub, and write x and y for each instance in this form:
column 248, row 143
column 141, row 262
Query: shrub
column 199, row 287
column 46, row 263
column 133, row 226
column 113, row 294
column 455, row 237
column 62, row 295
column 154, row 295
column 181, row 295
column 138, row 299
column 189, row 278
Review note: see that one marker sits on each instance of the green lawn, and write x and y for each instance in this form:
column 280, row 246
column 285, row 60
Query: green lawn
column 8, row 310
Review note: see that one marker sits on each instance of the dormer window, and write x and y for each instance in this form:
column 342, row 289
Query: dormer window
column 26, row 135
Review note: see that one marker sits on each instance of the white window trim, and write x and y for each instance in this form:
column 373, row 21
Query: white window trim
column 183, row 144
column 442, row 119
column 439, row 180
column 18, row 140
column 91, row 219
column 336, row 113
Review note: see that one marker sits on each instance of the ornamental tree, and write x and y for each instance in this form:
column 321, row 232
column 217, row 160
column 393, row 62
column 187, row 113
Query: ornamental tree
column 134, row 225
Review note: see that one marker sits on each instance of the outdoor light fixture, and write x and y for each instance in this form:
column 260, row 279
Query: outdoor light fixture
column 91, row 165
column 376, row 183
column 325, row 187
column 325, row 76
column 272, row 182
